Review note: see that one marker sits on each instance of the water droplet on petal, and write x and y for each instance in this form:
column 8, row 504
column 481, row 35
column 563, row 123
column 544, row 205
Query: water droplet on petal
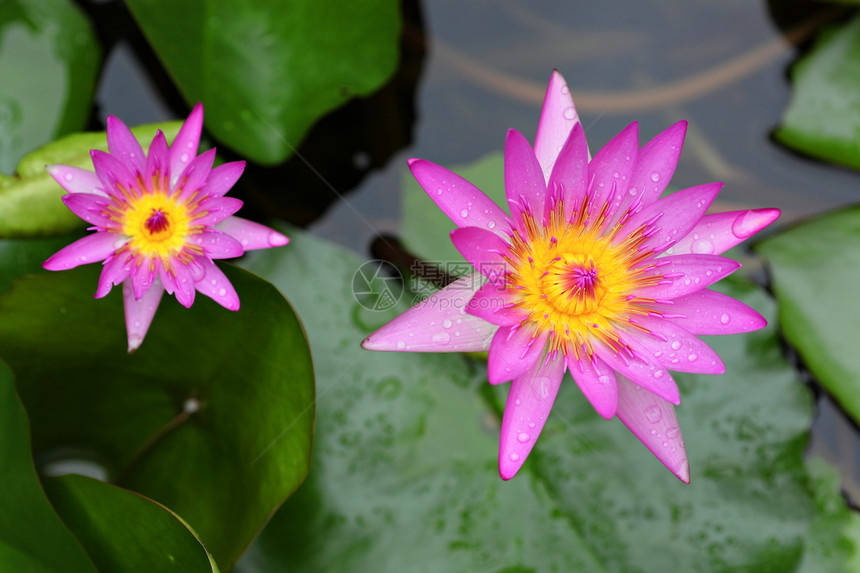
column 441, row 338
column 514, row 457
column 693, row 357
column 439, row 191
column 745, row 225
column 658, row 374
column 725, row 319
column 673, row 433
column 676, row 345
column 491, row 225
column 569, row 113
column 565, row 90
column 653, row 414
column 447, row 323
column 222, row 292
column 275, row 239
column 183, row 158
column 655, row 177
column 603, row 379
column 400, row 345
column 702, row 247
column 523, row 438
column 68, row 176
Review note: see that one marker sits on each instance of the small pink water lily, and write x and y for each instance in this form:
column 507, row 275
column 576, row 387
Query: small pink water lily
column 160, row 220
column 601, row 277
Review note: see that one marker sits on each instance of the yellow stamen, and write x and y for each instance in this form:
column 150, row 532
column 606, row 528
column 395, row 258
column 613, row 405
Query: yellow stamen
column 159, row 226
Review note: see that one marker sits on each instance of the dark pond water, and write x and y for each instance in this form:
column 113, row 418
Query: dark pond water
column 471, row 70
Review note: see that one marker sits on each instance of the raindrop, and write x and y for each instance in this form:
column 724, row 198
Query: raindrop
column 531, row 424
column 565, row 90
column 655, row 177
column 616, row 174
column 439, row 191
column 693, row 357
column 523, row 438
column 183, row 158
column 676, row 345
column 653, row 414
column 744, row 225
column 658, row 374
column 447, row 323
column 603, row 379
column 464, row 213
column 673, row 432
column 570, row 113
column 214, row 282
column 68, row 176
column 632, row 191
column 702, row 247
column 222, row 292
column 442, row 338
column 725, row 319
column 401, row 345
column 491, row 224
column 275, row 239
column 517, row 402
column 514, row 457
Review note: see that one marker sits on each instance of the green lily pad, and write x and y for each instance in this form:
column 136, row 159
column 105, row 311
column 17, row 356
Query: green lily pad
column 815, row 269
column 49, row 59
column 823, row 117
column 124, row 531
column 266, row 71
column 30, row 202
column 405, row 478
column 212, row 416
column 32, row 537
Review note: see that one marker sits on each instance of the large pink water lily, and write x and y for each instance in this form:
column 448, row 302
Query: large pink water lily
column 592, row 273
column 160, row 219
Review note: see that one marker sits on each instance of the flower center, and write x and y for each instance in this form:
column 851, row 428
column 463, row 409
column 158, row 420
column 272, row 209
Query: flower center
column 159, row 226
column 575, row 280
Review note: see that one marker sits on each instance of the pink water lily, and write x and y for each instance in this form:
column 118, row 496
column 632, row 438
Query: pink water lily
column 160, row 218
column 592, row 273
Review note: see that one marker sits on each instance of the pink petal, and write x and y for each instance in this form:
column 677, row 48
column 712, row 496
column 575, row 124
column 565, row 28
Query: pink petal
column 597, row 382
column 437, row 324
column 90, row 207
column 529, row 402
column 710, row 312
column 484, row 250
column 184, row 287
column 656, row 165
column 494, row 303
column 653, row 421
column 116, row 270
column 90, row 249
column 671, row 217
column 250, row 234
column 558, row 118
column 569, row 177
column 195, row 175
column 184, row 147
column 112, row 173
column 644, row 369
column 512, row 352
column 610, row 170
column 685, row 274
column 719, row 232
column 157, row 172
column 139, row 312
column 677, row 348
column 123, row 145
column 215, row 284
column 217, row 245
column 453, row 195
column 222, row 178
column 214, row 210
column 76, row 180
column 525, row 187
column 144, row 273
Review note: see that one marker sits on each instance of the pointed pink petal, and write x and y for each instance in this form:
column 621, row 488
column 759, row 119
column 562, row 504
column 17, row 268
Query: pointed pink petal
column 217, row 245
column 610, row 170
column 653, row 421
column 437, row 324
column 139, row 312
column 184, row 147
column 90, row 249
column 685, row 274
column 157, row 173
column 597, row 382
column 116, row 270
column 719, row 232
column 251, row 235
column 195, row 175
column 222, row 178
column 677, row 348
column 530, row 400
column 144, row 273
column 525, row 187
column 557, row 118
column 672, row 217
column 76, row 180
column 213, row 211
column 215, row 284
column 569, row 177
column 656, row 165
column 112, row 173
column 124, row 146
column 89, row 207
column 711, row 312
column 484, row 250
column 184, row 286
column 492, row 303
column 453, row 195
column 512, row 352
column 644, row 369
